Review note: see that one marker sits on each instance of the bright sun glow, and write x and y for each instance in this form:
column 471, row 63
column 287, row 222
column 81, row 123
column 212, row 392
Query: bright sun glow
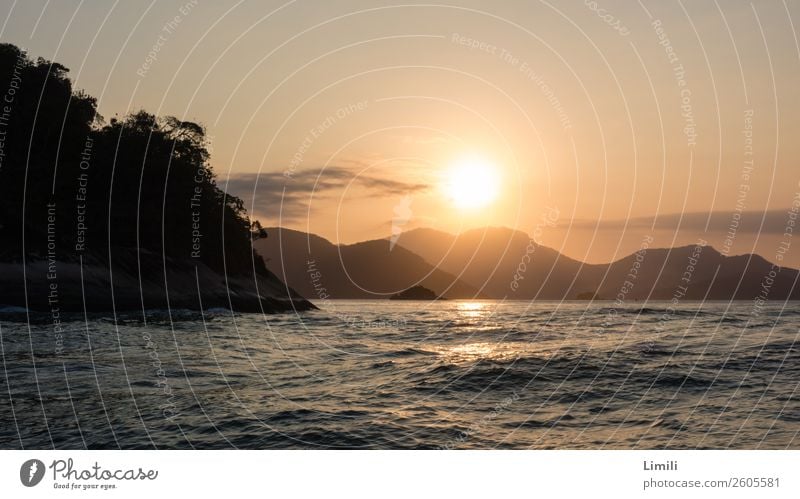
column 472, row 182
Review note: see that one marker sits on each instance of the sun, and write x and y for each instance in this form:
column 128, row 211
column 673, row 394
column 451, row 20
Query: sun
column 471, row 182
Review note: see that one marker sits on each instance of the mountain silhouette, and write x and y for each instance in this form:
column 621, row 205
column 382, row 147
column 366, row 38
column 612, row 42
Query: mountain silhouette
column 487, row 262
column 490, row 258
column 317, row 268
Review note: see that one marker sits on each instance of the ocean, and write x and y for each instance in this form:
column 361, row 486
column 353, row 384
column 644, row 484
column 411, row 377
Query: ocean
column 407, row 375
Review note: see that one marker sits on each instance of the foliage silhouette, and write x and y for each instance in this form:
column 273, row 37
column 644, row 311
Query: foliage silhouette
column 71, row 184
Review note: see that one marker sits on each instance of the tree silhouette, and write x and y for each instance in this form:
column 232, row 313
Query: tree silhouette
column 72, row 182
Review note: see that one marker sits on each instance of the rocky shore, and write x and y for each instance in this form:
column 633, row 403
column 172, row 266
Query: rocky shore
column 139, row 281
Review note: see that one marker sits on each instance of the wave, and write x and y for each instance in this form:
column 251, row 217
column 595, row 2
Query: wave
column 683, row 381
column 10, row 309
column 650, row 311
column 409, row 352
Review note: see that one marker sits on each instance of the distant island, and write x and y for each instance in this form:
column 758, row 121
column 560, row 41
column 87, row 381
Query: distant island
column 502, row 263
column 123, row 214
column 416, row 293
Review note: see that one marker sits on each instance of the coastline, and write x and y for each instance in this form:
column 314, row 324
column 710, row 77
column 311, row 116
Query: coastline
column 136, row 284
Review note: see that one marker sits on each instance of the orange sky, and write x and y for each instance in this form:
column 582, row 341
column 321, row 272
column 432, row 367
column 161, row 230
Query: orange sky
column 606, row 111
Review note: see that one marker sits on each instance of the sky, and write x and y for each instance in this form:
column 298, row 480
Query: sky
column 594, row 124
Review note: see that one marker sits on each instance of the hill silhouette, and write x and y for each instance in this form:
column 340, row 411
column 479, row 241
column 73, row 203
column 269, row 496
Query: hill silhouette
column 317, row 268
column 490, row 259
column 415, row 293
column 488, row 262
column 134, row 198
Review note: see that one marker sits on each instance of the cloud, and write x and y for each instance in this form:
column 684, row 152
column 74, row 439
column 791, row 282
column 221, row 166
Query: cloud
column 288, row 197
column 774, row 222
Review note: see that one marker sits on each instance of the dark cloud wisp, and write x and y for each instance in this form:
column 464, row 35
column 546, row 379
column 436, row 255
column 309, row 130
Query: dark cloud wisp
column 286, row 197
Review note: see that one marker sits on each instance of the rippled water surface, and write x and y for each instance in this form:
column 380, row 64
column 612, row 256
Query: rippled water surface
column 378, row 374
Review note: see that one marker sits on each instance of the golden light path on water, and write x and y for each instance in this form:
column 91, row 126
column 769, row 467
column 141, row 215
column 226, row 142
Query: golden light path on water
column 475, row 320
column 473, row 313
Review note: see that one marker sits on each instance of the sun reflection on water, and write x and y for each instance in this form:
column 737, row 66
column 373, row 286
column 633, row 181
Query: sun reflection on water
column 472, row 309
column 485, row 351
